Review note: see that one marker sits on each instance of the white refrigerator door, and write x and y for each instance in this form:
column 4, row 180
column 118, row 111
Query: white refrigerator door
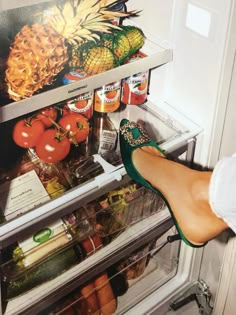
column 197, row 83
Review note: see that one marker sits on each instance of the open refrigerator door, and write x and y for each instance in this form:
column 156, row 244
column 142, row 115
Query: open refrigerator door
column 77, row 236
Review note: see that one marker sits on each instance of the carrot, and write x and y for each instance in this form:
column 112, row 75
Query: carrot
column 105, row 295
column 89, row 294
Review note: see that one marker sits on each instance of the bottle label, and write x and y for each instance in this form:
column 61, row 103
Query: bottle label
column 107, row 141
column 82, row 104
column 138, row 83
column 135, row 89
column 107, row 98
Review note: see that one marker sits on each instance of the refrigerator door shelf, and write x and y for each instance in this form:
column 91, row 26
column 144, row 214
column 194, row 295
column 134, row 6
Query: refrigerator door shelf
column 124, row 245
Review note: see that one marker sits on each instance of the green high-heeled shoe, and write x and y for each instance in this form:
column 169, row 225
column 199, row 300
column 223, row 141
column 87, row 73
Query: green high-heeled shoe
column 133, row 136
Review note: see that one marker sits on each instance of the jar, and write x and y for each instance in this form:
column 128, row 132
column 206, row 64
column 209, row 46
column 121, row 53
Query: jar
column 82, row 103
column 135, row 87
column 107, row 98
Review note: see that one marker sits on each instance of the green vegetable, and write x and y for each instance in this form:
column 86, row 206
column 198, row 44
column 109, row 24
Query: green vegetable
column 40, row 273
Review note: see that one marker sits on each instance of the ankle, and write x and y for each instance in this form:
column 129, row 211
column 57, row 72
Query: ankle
column 200, row 185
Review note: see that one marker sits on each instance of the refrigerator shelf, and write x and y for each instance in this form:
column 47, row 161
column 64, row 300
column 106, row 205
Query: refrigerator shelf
column 131, row 239
column 13, row 110
column 131, row 280
column 89, row 228
column 157, row 55
column 162, row 124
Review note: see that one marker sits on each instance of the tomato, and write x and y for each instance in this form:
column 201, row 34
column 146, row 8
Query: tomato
column 53, row 146
column 66, row 111
column 44, row 114
column 77, row 126
column 27, row 132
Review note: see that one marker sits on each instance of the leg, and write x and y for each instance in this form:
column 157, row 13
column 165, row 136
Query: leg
column 186, row 191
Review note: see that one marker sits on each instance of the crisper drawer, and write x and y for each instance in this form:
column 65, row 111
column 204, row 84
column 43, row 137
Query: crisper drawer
column 68, row 252
column 124, row 284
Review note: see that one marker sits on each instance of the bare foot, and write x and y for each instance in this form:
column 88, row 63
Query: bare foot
column 186, row 191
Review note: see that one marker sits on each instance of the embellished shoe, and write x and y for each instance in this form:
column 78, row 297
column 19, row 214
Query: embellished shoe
column 133, row 136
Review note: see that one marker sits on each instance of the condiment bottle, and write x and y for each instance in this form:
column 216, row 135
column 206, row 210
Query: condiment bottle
column 107, row 98
column 104, row 134
column 82, row 103
column 135, row 87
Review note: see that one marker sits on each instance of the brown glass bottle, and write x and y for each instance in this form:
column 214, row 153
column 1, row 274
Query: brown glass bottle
column 104, row 135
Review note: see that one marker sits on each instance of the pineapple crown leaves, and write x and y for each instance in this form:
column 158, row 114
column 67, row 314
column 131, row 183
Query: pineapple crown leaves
column 79, row 20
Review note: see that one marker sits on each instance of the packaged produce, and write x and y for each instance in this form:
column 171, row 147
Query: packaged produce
column 92, row 244
column 49, row 268
column 118, row 281
column 135, row 264
column 103, row 220
column 77, row 223
column 79, row 168
column 135, row 87
column 106, row 299
column 50, row 176
column 89, row 294
column 32, row 184
column 41, row 243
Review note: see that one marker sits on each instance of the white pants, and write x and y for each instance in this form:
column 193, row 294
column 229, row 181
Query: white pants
column 222, row 191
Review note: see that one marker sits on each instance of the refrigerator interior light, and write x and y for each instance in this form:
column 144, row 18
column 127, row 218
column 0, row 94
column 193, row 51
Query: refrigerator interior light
column 198, row 20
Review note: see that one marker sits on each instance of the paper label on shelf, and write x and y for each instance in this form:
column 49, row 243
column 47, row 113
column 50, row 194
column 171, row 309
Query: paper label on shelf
column 22, row 194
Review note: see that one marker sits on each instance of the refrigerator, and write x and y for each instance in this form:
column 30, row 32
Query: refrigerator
column 77, row 235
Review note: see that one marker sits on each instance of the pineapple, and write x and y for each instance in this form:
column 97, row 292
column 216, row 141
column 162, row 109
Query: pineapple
column 78, row 53
column 118, row 43
column 39, row 52
column 135, row 36
column 37, row 56
column 99, row 59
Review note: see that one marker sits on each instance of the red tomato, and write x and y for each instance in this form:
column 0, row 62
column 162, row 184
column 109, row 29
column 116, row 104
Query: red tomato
column 77, row 126
column 27, row 132
column 44, row 114
column 66, row 111
column 53, row 146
